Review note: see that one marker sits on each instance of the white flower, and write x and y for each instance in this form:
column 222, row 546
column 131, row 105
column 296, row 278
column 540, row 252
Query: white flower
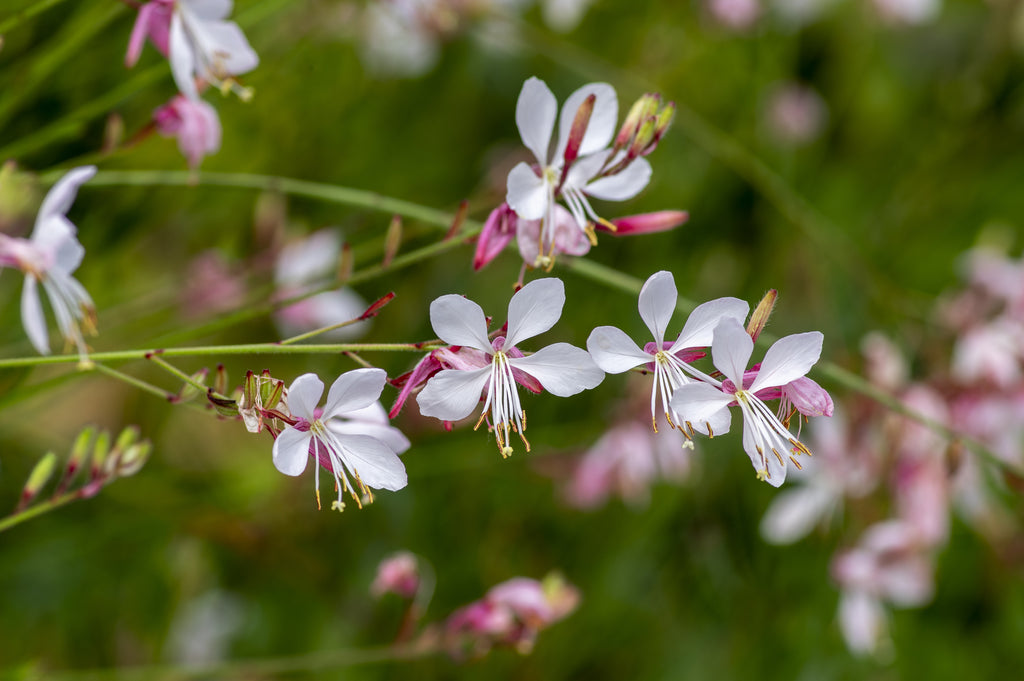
column 203, row 45
column 561, row 369
column 48, row 258
column 616, row 353
column 766, row 441
column 341, row 437
column 532, row 193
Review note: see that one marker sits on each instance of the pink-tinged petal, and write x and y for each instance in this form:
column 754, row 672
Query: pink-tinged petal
column 648, row 223
column 459, row 321
column 602, row 121
column 304, row 396
column 699, row 403
column 451, row 395
column 182, row 58
column 60, row 197
column 536, row 109
column 562, row 369
column 788, row 359
column 657, row 302
column 862, row 621
column 613, row 351
column 389, row 435
column 32, row 317
column 374, row 462
column 908, row 582
column 568, row 237
column 730, row 349
column 528, row 194
column 500, row 227
column 138, row 36
column 200, row 132
column 623, row 185
column 699, row 330
column 291, row 450
column 534, row 309
column 794, row 513
column 354, row 390
column 809, row 398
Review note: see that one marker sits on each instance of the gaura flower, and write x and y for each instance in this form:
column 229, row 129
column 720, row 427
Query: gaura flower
column 616, row 353
column 399, row 574
column 561, row 369
column 203, row 45
column 48, row 258
column 194, row 123
column 357, row 457
column 579, row 164
column 153, row 21
column 765, row 439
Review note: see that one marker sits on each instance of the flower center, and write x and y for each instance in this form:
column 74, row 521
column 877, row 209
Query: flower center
column 503, row 405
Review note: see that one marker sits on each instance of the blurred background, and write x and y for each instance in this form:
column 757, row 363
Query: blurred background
column 845, row 152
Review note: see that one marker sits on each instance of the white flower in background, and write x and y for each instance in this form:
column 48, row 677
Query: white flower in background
column 48, row 258
column 564, row 15
column 908, row 12
column 766, row 440
column 533, row 191
column 203, row 45
column 306, row 264
column 358, row 454
column 397, row 39
column 561, row 369
column 615, row 352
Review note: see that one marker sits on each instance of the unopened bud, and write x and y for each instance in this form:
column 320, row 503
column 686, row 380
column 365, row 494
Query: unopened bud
column 377, row 305
column 220, row 380
column 100, row 454
column 345, row 263
column 641, row 110
column 271, row 391
column 113, row 133
column 128, row 437
column 759, row 318
column 661, row 125
column 37, row 479
column 644, row 136
column 579, row 128
column 460, row 217
column 392, row 240
column 646, row 223
column 133, row 459
column 189, row 391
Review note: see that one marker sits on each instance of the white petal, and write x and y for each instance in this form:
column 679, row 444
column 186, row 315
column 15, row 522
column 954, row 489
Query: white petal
column 389, row 435
column 698, row 332
column 225, row 46
column 291, row 450
column 209, row 9
column 534, row 309
column 374, row 462
column 182, row 58
column 562, row 369
column 776, row 470
column 52, row 233
column 307, row 260
column 614, row 351
column 794, row 513
column 354, row 390
column 657, row 303
column 32, row 316
column 602, row 123
column 788, row 359
column 535, row 117
column 459, row 321
column 862, row 621
column 699, row 403
column 730, row 350
column 451, row 394
column 624, row 185
column 527, row 193
column 60, row 197
column 304, row 395
column 585, row 168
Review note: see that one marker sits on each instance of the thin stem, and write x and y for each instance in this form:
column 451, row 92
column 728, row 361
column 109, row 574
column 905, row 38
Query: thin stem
column 135, row 382
column 255, row 668
column 39, row 509
column 321, row 330
column 215, row 350
column 178, row 373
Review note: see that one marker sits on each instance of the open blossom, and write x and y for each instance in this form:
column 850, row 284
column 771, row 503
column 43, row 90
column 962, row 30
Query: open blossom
column 48, row 258
column 360, row 452
column 561, row 369
column 615, row 352
column 766, row 440
column 580, row 164
column 194, row 123
column 197, row 41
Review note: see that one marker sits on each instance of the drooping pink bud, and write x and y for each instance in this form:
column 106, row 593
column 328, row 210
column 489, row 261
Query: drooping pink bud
column 498, row 231
column 646, row 223
column 194, row 123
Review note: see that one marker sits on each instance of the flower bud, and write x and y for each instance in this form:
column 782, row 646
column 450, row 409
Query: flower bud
column 133, row 459
column 642, row 109
column 398, row 574
column 189, row 391
column 100, row 454
column 392, row 240
column 579, row 128
column 759, row 317
column 646, row 223
column 37, row 479
column 79, row 455
column 220, row 380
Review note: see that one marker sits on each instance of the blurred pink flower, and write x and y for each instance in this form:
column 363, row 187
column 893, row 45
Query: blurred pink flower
column 795, row 114
column 737, row 15
column 211, row 286
column 399, row 574
column 194, row 123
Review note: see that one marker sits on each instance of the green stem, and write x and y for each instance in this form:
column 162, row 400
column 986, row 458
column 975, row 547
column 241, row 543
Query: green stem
column 38, row 509
column 21, row 16
column 255, row 668
column 135, row 382
column 178, row 373
column 215, row 350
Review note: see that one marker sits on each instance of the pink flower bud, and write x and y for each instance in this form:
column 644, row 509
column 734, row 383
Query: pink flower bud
column 194, row 123
column 398, row 574
column 499, row 229
column 646, row 223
